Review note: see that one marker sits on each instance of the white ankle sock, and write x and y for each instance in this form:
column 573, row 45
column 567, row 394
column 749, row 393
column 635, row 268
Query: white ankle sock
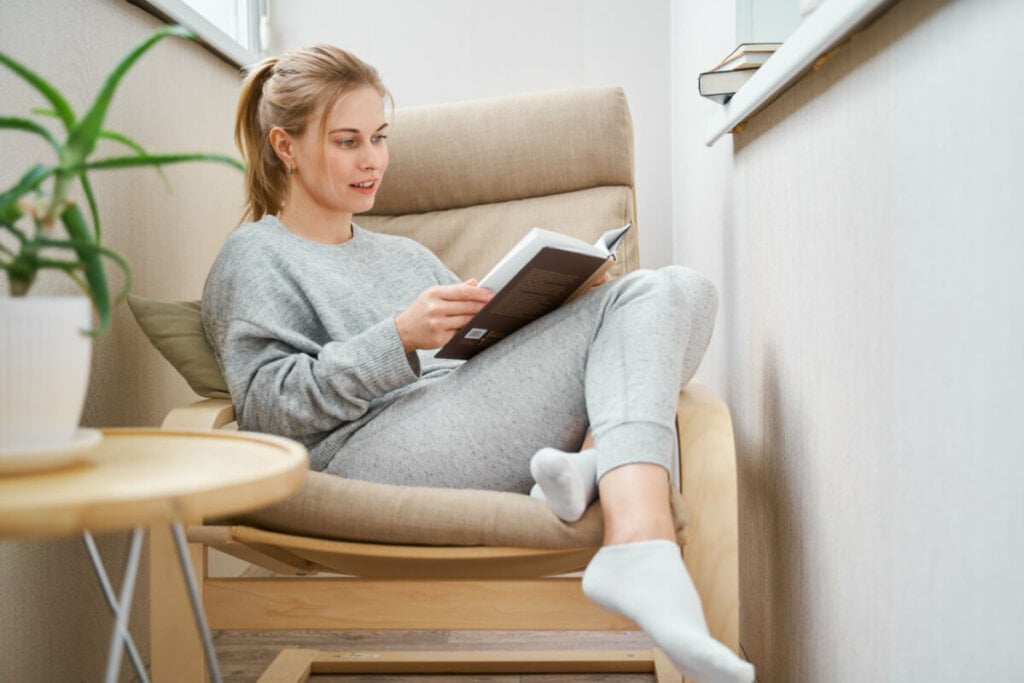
column 567, row 481
column 647, row 582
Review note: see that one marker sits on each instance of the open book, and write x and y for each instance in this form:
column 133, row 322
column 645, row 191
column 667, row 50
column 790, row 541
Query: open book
column 541, row 272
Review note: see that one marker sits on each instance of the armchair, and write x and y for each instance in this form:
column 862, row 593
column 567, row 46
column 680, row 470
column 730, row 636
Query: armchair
column 467, row 180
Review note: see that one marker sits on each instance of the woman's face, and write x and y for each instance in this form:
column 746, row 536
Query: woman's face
column 342, row 171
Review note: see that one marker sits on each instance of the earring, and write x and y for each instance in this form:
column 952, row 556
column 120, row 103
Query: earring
column 291, row 170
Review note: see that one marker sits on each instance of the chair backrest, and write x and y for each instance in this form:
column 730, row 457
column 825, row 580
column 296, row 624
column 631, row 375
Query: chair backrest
column 468, row 179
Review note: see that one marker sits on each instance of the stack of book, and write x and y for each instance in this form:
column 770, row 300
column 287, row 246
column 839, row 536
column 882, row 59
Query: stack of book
column 721, row 82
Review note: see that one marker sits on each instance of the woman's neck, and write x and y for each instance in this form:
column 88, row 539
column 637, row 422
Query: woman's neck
column 317, row 225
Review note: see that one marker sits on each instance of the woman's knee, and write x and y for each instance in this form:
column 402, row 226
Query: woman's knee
column 681, row 288
column 699, row 291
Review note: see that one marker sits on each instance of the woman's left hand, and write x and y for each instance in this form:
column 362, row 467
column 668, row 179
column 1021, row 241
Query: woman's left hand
column 604, row 279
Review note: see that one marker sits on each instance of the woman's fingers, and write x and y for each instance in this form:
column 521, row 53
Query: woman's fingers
column 438, row 312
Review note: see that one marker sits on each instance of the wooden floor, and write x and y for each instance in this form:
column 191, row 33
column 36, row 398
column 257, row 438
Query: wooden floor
column 243, row 655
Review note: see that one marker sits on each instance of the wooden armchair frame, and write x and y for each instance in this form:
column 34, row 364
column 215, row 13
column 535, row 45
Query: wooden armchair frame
column 417, row 587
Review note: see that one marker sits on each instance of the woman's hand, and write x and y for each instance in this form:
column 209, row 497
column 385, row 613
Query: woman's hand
column 436, row 314
column 604, row 279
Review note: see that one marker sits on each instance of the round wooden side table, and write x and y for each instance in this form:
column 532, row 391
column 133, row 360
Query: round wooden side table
column 134, row 478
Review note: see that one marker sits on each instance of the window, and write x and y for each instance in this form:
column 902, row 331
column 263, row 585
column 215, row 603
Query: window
column 766, row 21
column 235, row 30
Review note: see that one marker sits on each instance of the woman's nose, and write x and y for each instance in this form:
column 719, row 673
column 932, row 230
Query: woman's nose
column 372, row 158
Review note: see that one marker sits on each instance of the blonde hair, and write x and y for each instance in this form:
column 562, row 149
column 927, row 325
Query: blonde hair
column 286, row 92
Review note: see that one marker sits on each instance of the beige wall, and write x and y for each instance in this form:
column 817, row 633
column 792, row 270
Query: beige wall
column 865, row 230
column 54, row 625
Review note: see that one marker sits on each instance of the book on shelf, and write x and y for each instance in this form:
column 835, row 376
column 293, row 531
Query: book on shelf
column 720, row 86
column 543, row 271
column 722, row 81
column 747, row 56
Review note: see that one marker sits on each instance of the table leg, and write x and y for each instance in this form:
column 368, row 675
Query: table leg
column 122, row 607
column 178, row 533
column 112, row 602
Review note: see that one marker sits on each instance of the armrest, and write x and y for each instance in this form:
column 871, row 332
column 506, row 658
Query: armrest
column 707, row 463
column 210, row 413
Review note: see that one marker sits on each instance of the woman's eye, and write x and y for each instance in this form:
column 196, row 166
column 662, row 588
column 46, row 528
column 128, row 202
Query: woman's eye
column 346, row 143
column 379, row 138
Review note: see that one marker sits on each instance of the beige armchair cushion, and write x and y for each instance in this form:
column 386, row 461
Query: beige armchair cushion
column 500, row 149
column 468, row 179
column 349, row 510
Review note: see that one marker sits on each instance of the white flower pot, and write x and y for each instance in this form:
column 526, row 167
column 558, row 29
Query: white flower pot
column 44, row 375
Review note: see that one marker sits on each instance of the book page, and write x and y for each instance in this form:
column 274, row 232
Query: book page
column 528, row 247
column 609, row 241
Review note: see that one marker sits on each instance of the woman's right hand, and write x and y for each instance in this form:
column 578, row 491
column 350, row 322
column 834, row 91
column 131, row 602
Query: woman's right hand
column 436, row 314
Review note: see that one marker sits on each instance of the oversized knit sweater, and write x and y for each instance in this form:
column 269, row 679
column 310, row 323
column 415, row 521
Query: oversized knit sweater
column 304, row 332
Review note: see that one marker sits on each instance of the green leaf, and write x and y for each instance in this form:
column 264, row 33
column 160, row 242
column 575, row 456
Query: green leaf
column 123, row 139
column 128, row 142
column 78, row 248
column 29, row 126
column 161, row 159
column 90, row 197
column 89, row 255
column 60, row 105
column 82, row 139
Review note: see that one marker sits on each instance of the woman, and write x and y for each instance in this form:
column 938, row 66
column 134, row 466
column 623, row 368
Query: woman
column 325, row 333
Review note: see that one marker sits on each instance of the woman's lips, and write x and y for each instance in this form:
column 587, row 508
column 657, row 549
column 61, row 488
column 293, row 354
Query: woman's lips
column 366, row 187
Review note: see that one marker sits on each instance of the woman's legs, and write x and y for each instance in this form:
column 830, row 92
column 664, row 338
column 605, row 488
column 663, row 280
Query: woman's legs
column 639, row 573
column 615, row 358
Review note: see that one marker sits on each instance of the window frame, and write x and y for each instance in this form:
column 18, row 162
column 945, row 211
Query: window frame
column 227, row 47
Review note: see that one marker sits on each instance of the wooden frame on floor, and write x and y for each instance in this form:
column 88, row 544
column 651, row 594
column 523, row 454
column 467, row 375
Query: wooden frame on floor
column 297, row 665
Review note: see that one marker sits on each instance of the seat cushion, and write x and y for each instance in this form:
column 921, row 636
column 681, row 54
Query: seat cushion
column 345, row 509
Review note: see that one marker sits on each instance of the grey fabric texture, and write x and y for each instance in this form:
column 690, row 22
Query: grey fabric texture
column 614, row 360
column 304, row 334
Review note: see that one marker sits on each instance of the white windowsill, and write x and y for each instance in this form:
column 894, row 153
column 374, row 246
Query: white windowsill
column 213, row 38
column 819, row 32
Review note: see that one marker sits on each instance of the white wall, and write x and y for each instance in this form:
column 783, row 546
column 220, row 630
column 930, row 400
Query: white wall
column 865, row 231
column 448, row 50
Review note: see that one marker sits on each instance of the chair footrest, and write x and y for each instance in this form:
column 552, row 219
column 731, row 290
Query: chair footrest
column 296, row 665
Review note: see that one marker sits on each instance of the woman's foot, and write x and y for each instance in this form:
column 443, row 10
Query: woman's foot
column 566, row 481
column 647, row 582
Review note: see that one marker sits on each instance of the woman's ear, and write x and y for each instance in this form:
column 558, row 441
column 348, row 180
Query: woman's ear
column 281, row 143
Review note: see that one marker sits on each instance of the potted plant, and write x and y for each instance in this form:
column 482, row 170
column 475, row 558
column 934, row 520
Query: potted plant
column 42, row 227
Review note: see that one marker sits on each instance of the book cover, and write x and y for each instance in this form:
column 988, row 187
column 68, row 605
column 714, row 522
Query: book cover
column 720, row 86
column 543, row 271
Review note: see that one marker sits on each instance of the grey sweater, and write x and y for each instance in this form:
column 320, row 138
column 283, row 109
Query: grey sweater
column 304, row 332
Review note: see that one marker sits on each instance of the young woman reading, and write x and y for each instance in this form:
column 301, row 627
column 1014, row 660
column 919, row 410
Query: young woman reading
column 325, row 333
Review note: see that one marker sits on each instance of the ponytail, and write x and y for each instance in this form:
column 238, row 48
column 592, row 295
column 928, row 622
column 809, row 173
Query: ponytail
column 265, row 181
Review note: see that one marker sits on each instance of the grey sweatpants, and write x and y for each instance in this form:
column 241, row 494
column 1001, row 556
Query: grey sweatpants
column 613, row 360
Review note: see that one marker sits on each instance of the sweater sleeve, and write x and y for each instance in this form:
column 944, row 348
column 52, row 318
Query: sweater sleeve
column 305, row 334
column 282, row 390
